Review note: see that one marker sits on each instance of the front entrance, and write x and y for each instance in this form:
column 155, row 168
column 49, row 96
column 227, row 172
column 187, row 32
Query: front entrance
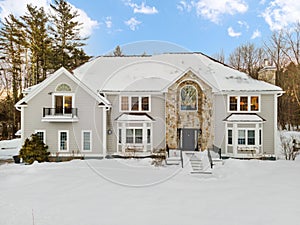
column 189, row 139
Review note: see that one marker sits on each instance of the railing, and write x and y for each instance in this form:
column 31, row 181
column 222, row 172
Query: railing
column 64, row 112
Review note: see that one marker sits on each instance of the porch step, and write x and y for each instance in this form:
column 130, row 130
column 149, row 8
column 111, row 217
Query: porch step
column 197, row 164
column 173, row 161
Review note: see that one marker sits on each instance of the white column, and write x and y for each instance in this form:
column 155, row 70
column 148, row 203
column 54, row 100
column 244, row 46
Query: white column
column 145, row 136
column 234, row 139
column 22, row 125
column 104, row 141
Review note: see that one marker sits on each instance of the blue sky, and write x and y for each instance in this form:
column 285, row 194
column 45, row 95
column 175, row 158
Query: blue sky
column 207, row 26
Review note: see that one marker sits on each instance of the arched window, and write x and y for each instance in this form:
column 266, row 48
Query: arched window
column 63, row 88
column 188, row 98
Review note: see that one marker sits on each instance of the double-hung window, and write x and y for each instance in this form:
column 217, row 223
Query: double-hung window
column 246, row 137
column 41, row 134
column 134, row 136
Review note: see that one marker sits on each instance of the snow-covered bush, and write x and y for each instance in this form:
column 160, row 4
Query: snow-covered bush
column 34, row 149
column 288, row 141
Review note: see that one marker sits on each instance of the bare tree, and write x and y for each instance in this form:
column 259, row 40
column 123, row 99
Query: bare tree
column 220, row 56
column 247, row 58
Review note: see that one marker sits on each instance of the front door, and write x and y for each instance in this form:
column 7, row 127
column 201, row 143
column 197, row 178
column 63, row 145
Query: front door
column 189, row 139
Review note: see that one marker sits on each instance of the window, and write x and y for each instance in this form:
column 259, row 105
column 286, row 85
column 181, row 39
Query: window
column 254, row 103
column 260, row 137
column 148, row 136
column 120, row 136
column 87, row 140
column 63, row 104
column 246, row 137
column 129, row 136
column 229, row 137
column 251, row 137
column 241, row 137
column 138, row 136
column 41, row 135
column 145, row 103
column 135, row 103
column 134, row 136
column 243, row 103
column 63, row 140
column 233, row 103
column 124, row 103
column 188, row 96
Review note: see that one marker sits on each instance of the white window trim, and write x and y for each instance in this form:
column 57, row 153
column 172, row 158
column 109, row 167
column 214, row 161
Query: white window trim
column 144, row 126
column 129, row 103
column 256, row 142
column 249, row 103
column 63, row 94
column 44, row 131
column 188, row 110
column 68, row 141
column 82, row 140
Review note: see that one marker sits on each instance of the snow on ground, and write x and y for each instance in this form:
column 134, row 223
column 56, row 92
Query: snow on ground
column 134, row 192
column 9, row 148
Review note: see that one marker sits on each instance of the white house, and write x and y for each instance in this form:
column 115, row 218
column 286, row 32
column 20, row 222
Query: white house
column 185, row 101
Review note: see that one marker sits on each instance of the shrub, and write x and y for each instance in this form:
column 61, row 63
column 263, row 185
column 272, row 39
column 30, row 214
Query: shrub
column 34, row 149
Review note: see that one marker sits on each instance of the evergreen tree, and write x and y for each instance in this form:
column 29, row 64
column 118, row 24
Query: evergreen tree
column 65, row 31
column 34, row 149
column 38, row 44
column 11, row 47
column 118, row 51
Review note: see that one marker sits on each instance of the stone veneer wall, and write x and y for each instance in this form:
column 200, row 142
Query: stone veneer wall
column 200, row 119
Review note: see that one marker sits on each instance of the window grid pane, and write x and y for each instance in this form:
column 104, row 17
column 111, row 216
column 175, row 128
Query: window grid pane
column 241, row 137
column 135, row 103
column 124, row 103
column 145, row 103
column 148, row 136
column 40, row 135
column 230, row 137
column 254, row 103
column 244, row 103
column 233, row 103
column 87, row 141
column 129, row 136
column 63, row 141
column 251, row 137
column 138, row 136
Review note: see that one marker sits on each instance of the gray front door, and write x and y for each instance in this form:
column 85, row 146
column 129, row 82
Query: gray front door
column 189, row 138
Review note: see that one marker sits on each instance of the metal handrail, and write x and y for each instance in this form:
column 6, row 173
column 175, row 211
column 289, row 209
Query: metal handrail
column 67, row 112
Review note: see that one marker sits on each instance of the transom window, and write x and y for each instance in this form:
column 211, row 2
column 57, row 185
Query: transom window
column 135, row 103
column 243, row 103
column 188, row 97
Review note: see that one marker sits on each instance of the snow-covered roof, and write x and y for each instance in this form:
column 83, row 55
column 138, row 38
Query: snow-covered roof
column 244, row 118
column 155, row 73
column 131, row 117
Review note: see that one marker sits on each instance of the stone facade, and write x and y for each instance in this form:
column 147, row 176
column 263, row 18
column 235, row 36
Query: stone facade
column 202, row 118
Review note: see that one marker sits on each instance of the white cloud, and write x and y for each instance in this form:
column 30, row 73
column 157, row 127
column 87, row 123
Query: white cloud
column 184, row 6
column 232, row 33
column 244, row 24
column 214, row 9
column 281, row 13
column 256, row 34
column 18, row 8
column 132, row 23
column 143, row 8
column 108, row 22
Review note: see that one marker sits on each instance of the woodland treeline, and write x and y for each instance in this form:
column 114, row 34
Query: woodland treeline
column 282, row 51
column 33, row 46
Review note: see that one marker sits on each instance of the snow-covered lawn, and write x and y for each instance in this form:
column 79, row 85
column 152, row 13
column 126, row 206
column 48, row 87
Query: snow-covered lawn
column 134, row 192
column 9, row 148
